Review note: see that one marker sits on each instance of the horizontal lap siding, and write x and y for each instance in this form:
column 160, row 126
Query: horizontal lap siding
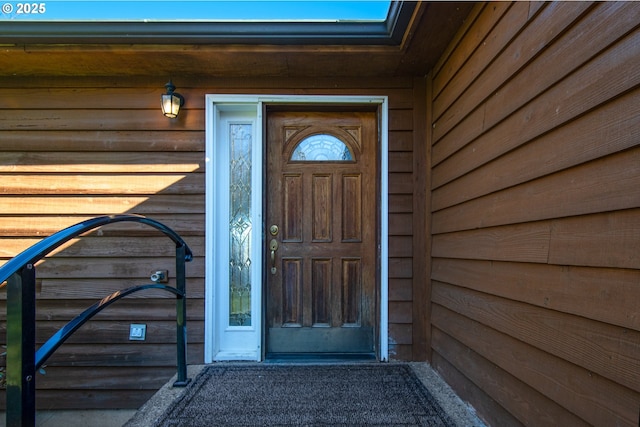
column 72, row 149
column 70, row 154
column 536, row 213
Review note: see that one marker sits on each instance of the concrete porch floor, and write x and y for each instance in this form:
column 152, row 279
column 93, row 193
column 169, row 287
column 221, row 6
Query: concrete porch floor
column 150, row 412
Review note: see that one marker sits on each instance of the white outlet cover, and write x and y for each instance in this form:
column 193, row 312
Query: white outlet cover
column 137, row 332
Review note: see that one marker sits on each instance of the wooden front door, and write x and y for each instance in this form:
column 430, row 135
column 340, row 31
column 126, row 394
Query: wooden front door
column 321, row 232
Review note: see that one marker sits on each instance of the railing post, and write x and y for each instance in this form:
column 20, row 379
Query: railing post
column 21, row 348
column 181, row 317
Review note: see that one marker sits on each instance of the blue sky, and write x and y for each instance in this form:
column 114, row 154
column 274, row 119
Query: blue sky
column 199, row 10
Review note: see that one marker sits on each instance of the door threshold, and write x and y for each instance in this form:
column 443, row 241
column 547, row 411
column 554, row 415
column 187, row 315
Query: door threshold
column 316, row 358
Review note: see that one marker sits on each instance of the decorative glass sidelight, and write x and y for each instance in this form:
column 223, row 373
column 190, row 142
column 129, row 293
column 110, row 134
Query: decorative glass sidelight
column 240, row 136
column 321, row 148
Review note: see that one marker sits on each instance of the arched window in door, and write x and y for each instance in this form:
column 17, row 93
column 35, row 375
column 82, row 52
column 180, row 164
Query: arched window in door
column 321, row 148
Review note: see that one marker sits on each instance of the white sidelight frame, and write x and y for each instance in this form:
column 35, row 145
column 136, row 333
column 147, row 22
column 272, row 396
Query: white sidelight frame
column 223, row 342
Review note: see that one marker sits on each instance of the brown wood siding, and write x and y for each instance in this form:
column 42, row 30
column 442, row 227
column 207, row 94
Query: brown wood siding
column 535, row 173
column 75, row 148
column 72, row 153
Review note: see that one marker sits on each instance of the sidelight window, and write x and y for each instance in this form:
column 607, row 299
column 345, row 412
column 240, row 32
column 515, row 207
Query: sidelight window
column 240, row 224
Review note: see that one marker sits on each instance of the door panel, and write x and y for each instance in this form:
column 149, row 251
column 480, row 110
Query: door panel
column 321, row 195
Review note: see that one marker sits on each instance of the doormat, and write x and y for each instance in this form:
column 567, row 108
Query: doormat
column 306, row 395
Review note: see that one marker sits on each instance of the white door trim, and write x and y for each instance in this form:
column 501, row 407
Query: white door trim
column 215, row 332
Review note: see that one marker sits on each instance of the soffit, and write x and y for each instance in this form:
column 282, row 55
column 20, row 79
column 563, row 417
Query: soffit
column 413, row 51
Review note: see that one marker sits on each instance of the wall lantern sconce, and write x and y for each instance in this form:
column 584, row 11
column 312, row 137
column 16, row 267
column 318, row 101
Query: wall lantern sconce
column 171, row 101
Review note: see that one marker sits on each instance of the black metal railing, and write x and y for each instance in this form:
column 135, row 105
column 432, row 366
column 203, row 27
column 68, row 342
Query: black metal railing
column 20, row 274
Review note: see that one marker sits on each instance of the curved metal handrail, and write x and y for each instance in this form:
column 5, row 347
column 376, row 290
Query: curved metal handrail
column 47, row 245
column 19, row 274
column 57, row 339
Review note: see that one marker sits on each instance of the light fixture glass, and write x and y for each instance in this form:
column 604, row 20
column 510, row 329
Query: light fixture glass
column 171, row 101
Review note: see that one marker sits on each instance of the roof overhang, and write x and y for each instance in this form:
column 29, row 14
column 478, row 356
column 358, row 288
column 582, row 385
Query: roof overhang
column 388, row 32
column 408, row 43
